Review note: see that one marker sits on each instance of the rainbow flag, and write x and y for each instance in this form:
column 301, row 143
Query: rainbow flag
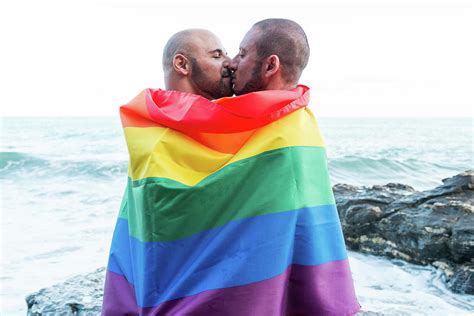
column 228, row 210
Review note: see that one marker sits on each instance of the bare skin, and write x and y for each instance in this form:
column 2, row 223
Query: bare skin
column 272, row 56
column 251, row 74
column 195, row 61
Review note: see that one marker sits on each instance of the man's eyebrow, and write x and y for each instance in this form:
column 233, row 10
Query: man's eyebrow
column 218, row 50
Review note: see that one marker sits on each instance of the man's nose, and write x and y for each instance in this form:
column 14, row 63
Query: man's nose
column 226, row 62
column 233, row 64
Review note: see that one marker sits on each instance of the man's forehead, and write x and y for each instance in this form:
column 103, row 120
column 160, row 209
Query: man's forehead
column 209, row 43
column 249, row 40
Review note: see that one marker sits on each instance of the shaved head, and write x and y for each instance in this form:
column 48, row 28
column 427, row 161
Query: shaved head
column 272, row 56
column 287, row 40
column 195, row 61
column 184, row 42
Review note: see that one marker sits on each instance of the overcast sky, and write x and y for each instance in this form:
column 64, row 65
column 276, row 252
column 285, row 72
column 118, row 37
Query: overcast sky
column 368, row 58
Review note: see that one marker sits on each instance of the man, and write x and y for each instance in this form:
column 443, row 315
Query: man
column 272, row 56
column 195, row 61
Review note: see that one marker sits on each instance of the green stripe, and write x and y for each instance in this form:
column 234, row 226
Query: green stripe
column 289, row 178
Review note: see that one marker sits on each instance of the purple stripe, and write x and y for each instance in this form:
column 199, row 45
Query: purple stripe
column 325, row 289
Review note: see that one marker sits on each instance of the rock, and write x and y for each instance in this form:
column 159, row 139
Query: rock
column 461, row 243
column 462, row 279
column 431, row 227
column 79, row 296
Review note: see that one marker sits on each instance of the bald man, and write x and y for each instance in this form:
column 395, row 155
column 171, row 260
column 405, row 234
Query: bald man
column 195, row 61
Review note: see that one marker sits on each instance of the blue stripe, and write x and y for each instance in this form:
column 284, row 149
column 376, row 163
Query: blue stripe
column 241, row 252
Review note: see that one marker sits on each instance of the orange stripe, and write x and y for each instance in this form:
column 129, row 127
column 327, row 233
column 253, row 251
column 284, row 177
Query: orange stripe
column 135, row 113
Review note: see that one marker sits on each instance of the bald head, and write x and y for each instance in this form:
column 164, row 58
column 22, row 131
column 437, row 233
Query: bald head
column 287, row 40
column 185, row 42
column 195, row 61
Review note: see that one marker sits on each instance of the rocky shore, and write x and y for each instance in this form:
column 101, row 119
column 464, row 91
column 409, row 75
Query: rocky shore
column 80, row 296
column 431, row 227
column 434, row 227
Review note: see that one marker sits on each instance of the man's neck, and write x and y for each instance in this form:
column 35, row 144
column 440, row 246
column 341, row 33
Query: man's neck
column 279, row 84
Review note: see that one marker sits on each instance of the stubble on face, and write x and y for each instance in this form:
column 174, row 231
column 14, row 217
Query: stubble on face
column 247, row 77
column 215, row 88
column 255, row 83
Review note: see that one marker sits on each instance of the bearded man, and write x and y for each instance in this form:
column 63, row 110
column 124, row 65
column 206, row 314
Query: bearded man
column 195, row 63
column 272, row 56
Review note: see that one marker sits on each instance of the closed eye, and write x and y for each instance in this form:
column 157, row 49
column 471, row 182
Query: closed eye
column 217, row 53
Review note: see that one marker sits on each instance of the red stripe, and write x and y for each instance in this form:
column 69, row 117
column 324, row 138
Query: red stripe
column 191, row 113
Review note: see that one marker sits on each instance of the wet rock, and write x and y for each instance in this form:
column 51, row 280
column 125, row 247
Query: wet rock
column 79, row 296
column 462, row 279
column 430, row 227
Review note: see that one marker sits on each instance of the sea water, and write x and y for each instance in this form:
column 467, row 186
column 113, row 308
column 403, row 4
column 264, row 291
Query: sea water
column 62, row 180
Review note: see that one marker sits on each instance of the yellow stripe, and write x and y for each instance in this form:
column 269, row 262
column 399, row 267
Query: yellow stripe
column 166, row 153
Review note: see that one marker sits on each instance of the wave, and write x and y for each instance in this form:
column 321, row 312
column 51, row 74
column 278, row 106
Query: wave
column 350, row 169
column 420, row 174
column 362, row 164
column 19, row 164
column 13, row 160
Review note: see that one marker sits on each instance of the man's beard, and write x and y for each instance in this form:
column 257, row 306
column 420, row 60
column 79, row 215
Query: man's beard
column 255, row 83
column 216, row 89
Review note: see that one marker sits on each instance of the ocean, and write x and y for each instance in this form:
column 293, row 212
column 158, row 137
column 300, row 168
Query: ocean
column 62, row 181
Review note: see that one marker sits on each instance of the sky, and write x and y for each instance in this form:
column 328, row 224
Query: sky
column 368, row 58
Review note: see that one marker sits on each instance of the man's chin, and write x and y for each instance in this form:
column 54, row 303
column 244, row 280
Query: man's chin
column 237, row 92
column 240, row 90
column 229, row 93
column 224, row 92
column 226, row 88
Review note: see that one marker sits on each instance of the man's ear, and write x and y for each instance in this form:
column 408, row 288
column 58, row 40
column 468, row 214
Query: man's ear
column 272, row 65
column 181, row 64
